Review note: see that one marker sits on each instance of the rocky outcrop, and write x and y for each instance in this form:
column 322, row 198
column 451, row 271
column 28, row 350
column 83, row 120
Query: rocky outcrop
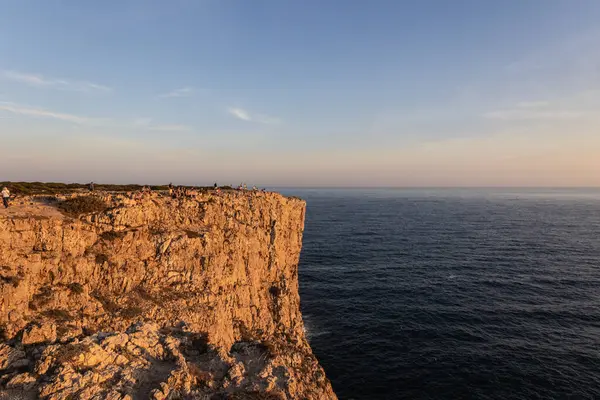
column 156, row 298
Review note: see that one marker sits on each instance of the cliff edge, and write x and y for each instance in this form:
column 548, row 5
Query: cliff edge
column 154, row 297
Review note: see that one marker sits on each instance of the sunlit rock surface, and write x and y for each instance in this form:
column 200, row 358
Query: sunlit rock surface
column 154, row 297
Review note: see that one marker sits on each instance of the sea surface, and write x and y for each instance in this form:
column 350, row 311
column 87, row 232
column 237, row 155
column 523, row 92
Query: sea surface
column 454, row 293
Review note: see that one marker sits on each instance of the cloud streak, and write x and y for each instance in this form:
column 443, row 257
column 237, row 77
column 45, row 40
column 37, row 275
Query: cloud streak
column 239, row 114
column 535, row 110
column 37, row 80
column 245, row 115
column 42, row 113
column 182, row 92
column 533, row 104
column 138, row 123
column 525, row 114
column 146, row 123
column 170, row 128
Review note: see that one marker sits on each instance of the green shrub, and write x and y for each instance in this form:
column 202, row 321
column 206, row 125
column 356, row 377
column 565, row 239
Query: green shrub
column 77, row 206
column 31, row 188
column 58, row 315
column 101, row 258
column 112, row 235
column 71, row 351
column 131, row 312
column 109, row 306
column 41, row 299
column 193, row 234
column 11, row 280
column 76, row 287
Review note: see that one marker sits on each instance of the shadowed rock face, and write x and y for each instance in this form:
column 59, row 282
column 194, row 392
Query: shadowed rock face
column 168, row 298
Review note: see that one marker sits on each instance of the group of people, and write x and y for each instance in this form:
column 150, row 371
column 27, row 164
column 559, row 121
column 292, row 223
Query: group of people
column 174, row 192
column 140, row 194
column 179, row 191
column 182, row 191
column 243, row 186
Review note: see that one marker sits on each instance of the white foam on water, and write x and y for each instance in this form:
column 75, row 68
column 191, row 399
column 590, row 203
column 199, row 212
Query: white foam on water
column 311, row 331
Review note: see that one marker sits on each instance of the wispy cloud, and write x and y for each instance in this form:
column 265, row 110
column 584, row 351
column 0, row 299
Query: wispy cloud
column 182, row 92
column 170, row 128
column 532, row 114
column 265, row 119
column 240, row 114
column 245, row 115
column 43, row 113
column 146, row 123
column 533, row 104
column 571, row 60
column 141, row 122
column 137, row 123
column 60, row 84
column 537, row 110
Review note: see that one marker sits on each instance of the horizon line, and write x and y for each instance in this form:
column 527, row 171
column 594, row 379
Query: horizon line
column 275, row 186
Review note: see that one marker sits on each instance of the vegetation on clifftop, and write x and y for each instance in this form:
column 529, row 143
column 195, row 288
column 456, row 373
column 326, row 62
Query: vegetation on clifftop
column 29, row 188
column 33, row 188
column 77, row 206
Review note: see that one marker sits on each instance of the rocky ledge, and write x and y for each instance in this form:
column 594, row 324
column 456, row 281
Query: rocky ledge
column 150, row 297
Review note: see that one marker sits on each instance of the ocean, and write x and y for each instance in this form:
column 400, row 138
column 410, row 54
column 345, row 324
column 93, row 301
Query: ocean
column 454, row 293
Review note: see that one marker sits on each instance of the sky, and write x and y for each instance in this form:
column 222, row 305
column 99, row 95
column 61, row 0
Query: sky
column 301, row 92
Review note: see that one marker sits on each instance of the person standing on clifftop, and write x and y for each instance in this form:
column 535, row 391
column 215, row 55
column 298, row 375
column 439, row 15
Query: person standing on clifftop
column 5, row 196
column 91, row 186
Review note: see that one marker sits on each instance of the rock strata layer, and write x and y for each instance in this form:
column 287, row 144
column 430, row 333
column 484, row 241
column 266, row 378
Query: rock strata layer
column 154, row 297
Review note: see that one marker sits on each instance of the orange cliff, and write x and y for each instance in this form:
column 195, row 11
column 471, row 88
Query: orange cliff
column 154, row 297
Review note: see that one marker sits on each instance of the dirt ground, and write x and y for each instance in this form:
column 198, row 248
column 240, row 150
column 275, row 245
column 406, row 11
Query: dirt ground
column 29, row 208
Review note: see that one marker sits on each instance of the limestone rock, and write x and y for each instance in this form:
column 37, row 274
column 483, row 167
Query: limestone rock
column 156, row 298
column 39, row 333
column 11, row 358
column 23, row 381
column 164, row 365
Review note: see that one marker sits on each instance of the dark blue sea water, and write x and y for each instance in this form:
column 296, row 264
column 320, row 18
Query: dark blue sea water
column 454, row 294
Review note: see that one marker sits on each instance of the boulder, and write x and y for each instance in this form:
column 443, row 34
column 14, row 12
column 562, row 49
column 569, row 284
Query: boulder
column 39, row 333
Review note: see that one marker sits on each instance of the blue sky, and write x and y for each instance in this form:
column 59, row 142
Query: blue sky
column 311, row 93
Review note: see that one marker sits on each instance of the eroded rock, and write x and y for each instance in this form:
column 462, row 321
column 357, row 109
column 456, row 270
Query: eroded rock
column 39, row 333
column 157, row 298
column 11, row 358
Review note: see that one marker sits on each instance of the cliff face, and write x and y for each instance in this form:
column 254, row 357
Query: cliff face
column 156, row 298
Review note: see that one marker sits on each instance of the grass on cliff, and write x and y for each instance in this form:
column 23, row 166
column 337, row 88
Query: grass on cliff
column 250, row 395
column 14, row 281
column 58, row 315
column 112, row 235
column 31, row 188
column 52, row 188
column 77, row 206
column 71, row 351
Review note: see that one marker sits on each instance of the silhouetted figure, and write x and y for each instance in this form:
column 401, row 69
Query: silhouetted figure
column 5, row 196
column 216, row 186
column 91, row 186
